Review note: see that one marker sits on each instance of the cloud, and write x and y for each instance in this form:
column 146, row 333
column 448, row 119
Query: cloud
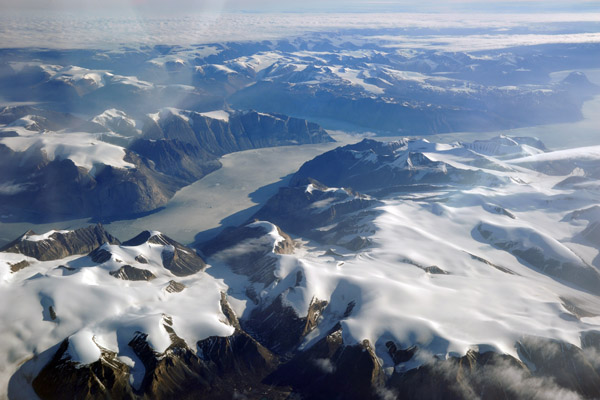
column 325, row 365
column 467, row 379
column 10, row 188
column 131, row 29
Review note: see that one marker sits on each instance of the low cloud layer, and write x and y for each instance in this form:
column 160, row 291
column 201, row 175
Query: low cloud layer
column 496, row 31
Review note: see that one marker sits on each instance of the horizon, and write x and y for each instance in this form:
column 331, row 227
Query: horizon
column 186, row 7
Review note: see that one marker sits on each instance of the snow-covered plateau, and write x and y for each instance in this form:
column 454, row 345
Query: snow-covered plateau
column 472, row 265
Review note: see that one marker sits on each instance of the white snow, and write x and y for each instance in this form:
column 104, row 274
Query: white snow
column 353, row 77
column 87, row 80
column 112, row 116
column 128, row 80
column 524, row 238
column 82, row 348
column 81, row 76
column 218, row 67
column 26, row 122
column 581, row 153
column 256, row 62
column 45, row 236
column 84, row 149
column 185, row 56
column 167, row 112
column 270, row 229
column 217, row 114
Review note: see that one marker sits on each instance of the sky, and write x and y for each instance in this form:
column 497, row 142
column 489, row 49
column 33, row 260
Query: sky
column 203, row 6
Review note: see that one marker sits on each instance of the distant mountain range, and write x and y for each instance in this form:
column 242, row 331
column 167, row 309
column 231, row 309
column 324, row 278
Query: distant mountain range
column 365, row 84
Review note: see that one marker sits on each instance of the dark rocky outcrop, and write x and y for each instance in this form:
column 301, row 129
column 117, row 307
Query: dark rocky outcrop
column 175, row 287
column 19, row 266
column 182, row 160
column 400, row 355
column 331, row 369
column 100, row 255
column 62, row 378
column 60, row 245
column 177, row 372
column 129, row 273
column 278, row 327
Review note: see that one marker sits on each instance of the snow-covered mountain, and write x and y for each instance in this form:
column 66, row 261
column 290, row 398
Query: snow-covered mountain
column 447, row 271
column 55, row 166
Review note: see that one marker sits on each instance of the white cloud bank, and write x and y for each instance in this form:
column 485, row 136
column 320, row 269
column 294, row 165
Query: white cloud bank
column 71, row 31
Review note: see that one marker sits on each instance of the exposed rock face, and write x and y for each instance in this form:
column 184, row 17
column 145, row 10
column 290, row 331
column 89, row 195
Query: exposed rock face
column 277, row 326
column 314, row 210
column 175, row 287
column 244, row 130
column 61, row 244
column 129, row 273
column 123, row 192
column 42, row 187
column 100, row 255
column 62, row 378
column 223, row 367
column 182, row 160
column 19, row 266
column 253, row 251
column 332, row 370
column 176, row 372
